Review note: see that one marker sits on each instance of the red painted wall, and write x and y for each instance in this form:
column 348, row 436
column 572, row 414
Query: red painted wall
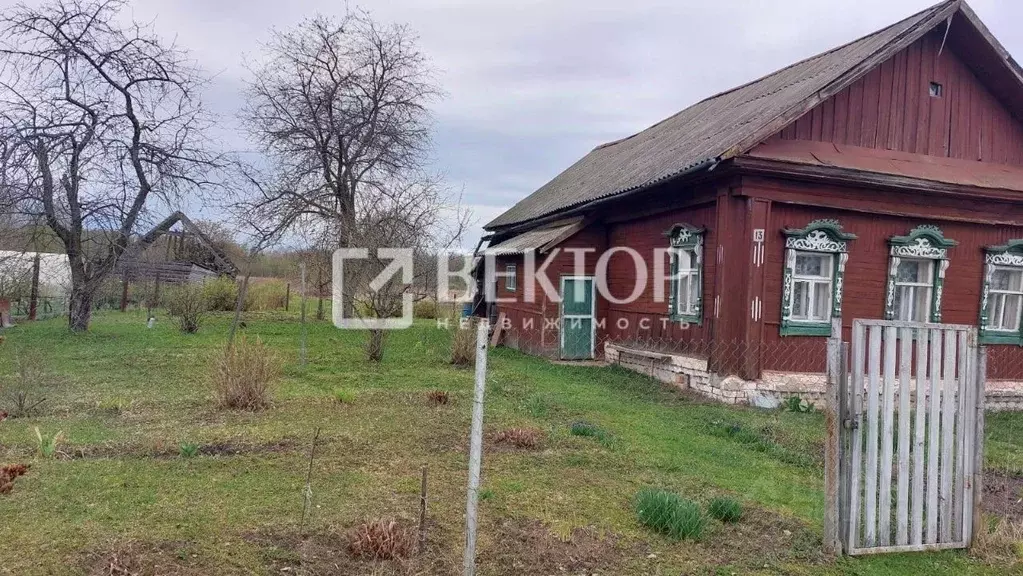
column 891, row 108
column 527, row 329
column 866, row 270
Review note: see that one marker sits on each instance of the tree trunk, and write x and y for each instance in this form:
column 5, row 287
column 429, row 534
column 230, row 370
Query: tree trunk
column 80, row 313
column 319, row 294
column 375, row 346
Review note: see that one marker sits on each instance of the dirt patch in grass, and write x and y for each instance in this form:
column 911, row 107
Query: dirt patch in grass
column 136, row 558
column 766, row 538
column 325, row 552
column 529, row 547
column 121, row 450
column 1003, row 496
column 517, row 438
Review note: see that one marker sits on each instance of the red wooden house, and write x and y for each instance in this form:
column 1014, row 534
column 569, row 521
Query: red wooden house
column 880, row 179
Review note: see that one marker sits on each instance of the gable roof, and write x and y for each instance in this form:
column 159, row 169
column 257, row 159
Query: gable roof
column 732, row 122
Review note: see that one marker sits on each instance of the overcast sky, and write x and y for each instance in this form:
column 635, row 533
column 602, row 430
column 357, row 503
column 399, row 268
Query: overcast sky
column 534, row 85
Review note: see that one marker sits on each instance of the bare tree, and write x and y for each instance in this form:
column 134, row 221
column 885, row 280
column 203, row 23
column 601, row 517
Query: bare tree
column 101, row 121
column 339, row 107
column 409, row 213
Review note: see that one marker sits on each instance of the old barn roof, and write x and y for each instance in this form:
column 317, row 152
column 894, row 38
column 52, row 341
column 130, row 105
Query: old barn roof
column 731, row 123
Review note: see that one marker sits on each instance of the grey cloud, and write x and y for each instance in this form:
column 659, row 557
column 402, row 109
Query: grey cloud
column 533, row 85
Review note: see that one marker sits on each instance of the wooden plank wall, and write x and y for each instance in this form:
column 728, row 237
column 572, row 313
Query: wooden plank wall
column 891, row 108
column 867, row 269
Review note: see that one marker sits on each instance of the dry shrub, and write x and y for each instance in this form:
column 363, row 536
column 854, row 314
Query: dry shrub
column 243, row 374
column 463, row 344
column 1002, row 543
column 438, row 397
column 528, row 438
column 383, row 539
column 187, row 304
column 10, row 473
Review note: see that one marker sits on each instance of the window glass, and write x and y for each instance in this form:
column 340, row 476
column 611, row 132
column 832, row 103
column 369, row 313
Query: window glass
column 1005, row 299
column 914, row 283
column 812, row 287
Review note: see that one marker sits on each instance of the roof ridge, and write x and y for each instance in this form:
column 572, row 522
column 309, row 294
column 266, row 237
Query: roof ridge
column 921, row 14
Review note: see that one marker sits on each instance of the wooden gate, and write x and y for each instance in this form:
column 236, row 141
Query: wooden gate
column 905, row 409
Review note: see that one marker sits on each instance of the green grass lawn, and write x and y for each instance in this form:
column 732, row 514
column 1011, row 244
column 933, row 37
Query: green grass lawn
column 122, row 496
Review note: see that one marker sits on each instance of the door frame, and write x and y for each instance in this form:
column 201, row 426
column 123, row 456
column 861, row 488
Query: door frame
column 592, row 316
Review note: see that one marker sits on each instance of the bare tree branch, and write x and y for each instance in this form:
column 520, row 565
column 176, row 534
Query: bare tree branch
column 99, row 120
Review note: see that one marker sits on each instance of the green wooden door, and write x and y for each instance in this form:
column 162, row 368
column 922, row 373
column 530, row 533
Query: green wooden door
column 577, row 318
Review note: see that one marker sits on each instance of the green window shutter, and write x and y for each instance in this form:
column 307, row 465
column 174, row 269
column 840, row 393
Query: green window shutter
column 1008, row 255
column 690, row 239
column 822, row 237
column 922, row 243
column 673, row 303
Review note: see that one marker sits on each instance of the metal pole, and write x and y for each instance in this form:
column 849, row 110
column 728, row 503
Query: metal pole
column 475, row 449
column 303, row 315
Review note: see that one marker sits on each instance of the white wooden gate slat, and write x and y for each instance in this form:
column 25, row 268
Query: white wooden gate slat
column 948, row 410
column 933, row 439
column 902, row 497
column 920, row 434
column 919, row 430
column 856, row 449
column 961, row 435
column 884, row 504
column 873, row 383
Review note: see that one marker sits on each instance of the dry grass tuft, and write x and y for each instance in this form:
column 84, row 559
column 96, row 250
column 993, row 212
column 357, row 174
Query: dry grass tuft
column 243, row 374
column 528, row 438
column 463, row 344
column 438, row 397
column 383, row 539
column 10, row 473
column 1003, row 543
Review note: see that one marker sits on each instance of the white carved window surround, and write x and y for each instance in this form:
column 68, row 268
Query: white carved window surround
column 917, row 264
column 815, row 259
column 1001, row 300
column 685, row 296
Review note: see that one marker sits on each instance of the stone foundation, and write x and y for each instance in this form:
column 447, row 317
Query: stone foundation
column 690, row 372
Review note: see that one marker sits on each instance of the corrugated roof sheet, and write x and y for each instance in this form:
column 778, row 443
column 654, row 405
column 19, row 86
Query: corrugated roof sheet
column 707, row 130
column 533, row 239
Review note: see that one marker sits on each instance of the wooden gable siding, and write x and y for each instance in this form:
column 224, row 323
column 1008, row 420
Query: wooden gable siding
column 891, row 108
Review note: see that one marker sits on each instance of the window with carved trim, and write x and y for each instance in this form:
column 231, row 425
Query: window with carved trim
column 815, row 259
column 916, row 275
column 685, row 296
column 1001, row 309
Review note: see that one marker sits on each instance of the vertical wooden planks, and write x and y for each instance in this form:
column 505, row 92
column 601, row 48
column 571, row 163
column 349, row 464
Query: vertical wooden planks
column 933, row 438
column 873, row 412
column 902, row 492
column 845, row 413
column 962, row 376
column 856, row 450
column 948, row 410
column 884, row 505
column 919, row 427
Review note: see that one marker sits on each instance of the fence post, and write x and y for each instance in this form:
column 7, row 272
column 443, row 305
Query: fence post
column 33, row 298
column 303, row 315
column 287, row 298
column 978, row 452
column 475, row 449
column 832, row 544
